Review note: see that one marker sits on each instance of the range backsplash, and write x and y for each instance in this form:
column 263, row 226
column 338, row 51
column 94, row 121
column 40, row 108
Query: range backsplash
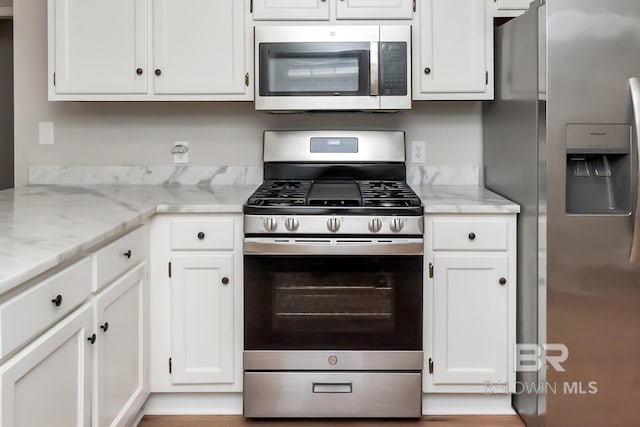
column 174, row 175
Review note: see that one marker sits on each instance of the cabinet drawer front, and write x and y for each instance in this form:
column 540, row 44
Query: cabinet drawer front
column 36, row 309
column 322, row 394
column 469, row 235
column 119, row 256
column 215, row 234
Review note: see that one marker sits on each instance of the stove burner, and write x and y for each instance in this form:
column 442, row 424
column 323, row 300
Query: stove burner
column 281, row 193
column 344, row 195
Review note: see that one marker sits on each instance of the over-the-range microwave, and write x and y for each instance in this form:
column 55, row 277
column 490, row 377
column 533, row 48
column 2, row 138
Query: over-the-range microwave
column 331, row 68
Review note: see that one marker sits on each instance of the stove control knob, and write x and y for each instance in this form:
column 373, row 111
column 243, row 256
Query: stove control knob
column 396, row 225
column 291, row 223
column 270, row 224
column 375, row 225
column 333, row 224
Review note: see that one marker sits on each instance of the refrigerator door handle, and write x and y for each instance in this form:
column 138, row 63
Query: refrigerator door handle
column 634, row 84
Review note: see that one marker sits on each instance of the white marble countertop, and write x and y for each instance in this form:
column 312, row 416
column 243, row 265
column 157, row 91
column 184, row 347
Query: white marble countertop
column 42, row 227
column 463, row 199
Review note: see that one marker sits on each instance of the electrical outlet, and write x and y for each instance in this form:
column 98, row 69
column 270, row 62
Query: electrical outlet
column 180, row 151
column 418, row 152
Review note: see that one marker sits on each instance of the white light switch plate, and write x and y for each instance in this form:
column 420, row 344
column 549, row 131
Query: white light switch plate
column 45, row 133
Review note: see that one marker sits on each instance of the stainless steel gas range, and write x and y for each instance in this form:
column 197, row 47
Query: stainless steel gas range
column 333, row 263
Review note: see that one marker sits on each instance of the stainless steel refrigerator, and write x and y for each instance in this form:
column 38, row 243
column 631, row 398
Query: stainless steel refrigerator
column 561, row 139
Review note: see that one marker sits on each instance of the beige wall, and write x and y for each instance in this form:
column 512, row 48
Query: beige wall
column 219, row 133
column 4, row 3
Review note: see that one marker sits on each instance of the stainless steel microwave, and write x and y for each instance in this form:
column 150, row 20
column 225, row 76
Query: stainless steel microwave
column 333, row 67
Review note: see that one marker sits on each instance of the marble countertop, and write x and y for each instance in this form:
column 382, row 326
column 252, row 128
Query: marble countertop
column 463, row 199
column 42, row 227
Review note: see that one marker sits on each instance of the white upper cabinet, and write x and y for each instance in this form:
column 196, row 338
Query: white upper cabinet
column 150, row 50
column 512, row 4
column 510, row 8
column 322, row 10
column 453, row 50
column 98, row 47
column 199, row 47
column 374, row 9
column 300, row 10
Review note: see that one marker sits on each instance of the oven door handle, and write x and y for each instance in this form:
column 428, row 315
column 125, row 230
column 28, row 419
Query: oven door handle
column 259, row 246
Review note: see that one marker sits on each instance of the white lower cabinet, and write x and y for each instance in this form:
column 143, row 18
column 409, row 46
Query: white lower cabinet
column 120, row 363
column 48, row 383
column 202, row 319
column 87, row 367
column 196, row 303
column 470, row 340
column 469, row 303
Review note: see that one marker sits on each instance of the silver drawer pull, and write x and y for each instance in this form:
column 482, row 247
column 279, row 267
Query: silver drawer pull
column 332, row 388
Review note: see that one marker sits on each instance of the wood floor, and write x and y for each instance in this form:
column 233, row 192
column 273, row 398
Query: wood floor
column 238, row 421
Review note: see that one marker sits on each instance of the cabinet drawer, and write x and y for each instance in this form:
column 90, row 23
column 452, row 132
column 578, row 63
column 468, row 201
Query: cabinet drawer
column 214, row 234
column 36, row 309
column 119, row 256
column 469, row 234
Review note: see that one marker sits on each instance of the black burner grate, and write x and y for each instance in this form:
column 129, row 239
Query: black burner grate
column 372, row 194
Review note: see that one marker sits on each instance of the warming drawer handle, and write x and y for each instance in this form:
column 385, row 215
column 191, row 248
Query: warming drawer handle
column 634, row 84
column 332, row 387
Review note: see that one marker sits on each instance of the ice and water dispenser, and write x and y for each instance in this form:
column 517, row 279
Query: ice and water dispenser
column 598, row 174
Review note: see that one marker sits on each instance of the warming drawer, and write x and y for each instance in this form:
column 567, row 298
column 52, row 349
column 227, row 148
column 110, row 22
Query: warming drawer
column 333, row 394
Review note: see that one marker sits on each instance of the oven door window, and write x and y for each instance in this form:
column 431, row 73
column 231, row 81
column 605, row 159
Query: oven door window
column 333, row 303
column 314, row 69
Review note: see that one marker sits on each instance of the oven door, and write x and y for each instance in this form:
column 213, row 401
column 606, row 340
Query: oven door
column 333, row 294
column 317, row 68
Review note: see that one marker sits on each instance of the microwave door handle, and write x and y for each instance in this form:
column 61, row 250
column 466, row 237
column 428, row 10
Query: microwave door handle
column 634, row 84
column 374, row 68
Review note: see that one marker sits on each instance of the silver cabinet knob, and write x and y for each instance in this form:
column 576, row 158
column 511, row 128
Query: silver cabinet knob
column 270, row 224
column 375, row 225
column 396, row 225
column 291, row 223
column 333, row 224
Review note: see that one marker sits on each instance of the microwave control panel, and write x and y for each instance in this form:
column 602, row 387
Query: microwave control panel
column 393, row 68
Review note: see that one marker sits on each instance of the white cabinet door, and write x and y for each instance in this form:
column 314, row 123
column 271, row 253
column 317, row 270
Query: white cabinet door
column 49, row 382
column 98, row 47
column 202, row 336
column 299, row 10
column 470, row 318
column 374, row 9
column 450, row 55
column 513, row 4
column 199, row 47
column 120, row 350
